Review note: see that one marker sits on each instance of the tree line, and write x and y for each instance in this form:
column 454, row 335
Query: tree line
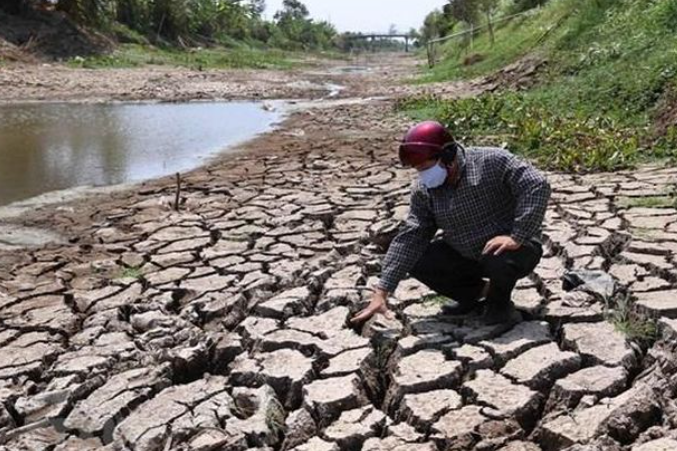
column 441, row 22
column 194, row 21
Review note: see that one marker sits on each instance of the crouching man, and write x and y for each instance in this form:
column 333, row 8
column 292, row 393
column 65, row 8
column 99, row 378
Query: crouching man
column 489, row 206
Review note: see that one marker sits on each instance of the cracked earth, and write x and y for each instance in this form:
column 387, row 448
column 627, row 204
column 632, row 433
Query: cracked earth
column 223, row 326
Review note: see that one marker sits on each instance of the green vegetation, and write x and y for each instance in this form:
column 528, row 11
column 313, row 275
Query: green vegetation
column 275, row 416
column 611, row 70
column 435, row 299
column 192, row 23
column 648, row 202
column 573, row 142
column 133, row 55
column 634, row 326
column 131, row 272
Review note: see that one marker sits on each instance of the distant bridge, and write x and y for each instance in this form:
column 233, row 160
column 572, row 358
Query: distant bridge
column 374, row 36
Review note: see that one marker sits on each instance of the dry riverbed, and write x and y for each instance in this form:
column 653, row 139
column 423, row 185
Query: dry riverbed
column 224, row 325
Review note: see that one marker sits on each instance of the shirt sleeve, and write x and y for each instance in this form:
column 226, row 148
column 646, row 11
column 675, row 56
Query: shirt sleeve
column 532, row 191
column 412, row 240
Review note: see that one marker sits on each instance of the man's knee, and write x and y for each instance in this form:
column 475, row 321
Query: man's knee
column 429, row 262
column 500, row 268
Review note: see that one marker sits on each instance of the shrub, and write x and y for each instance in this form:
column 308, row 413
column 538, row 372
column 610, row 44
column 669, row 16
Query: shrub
column 566, row 143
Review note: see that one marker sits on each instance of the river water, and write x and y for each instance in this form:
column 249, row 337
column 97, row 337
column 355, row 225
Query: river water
column 46, row 147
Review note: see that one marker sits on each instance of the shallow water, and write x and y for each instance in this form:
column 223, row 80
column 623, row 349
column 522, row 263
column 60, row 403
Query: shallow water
column 53, row 146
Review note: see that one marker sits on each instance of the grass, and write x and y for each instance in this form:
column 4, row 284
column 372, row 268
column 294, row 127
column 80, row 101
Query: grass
column 435, row 299
column 611, row 62
column 571, row 143
column 275, row 417
column 138, row 55
column 514, row 39
column 131, row 272
column 648, row 202
column 633, row 326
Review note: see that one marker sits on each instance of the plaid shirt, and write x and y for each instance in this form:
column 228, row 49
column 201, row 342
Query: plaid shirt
column 496, row 194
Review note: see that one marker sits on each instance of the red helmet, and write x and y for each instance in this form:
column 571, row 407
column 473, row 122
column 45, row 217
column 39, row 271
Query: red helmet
column 423, row 142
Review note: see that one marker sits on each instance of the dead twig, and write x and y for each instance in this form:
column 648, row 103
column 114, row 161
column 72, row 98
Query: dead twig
column 177, row 198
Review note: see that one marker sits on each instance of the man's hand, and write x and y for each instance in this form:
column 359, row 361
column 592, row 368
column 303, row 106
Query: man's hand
column 500, row 244
column 377, row 305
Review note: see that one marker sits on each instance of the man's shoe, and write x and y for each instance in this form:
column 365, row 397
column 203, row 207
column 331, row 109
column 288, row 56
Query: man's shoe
column 453, row 308
column 504, row 313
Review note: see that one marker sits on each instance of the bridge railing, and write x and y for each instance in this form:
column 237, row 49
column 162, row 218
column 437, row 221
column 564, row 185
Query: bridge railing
column 374, row 36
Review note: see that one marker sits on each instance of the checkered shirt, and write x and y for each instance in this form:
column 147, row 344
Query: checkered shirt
column 496, row 194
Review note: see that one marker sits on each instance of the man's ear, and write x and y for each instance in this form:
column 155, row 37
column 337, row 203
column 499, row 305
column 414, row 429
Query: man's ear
column 449, row 152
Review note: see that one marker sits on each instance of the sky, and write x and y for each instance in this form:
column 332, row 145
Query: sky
column 366, row 15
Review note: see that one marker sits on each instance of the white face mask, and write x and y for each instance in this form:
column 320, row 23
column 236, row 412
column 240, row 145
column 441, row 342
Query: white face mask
column 433, row 177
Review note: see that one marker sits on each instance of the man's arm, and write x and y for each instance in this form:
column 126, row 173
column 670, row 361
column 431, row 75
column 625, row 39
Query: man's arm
column 411, row 241
column 532, row 191
column 413, row 238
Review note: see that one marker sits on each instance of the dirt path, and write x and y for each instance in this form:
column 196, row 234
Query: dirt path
column 223, row 325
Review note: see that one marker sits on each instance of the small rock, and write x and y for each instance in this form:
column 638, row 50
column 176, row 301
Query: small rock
column 285, row 305
column 263, row 416
column 323, row 325
column 299, row 428
column 327, row 398
column 473, row 357
column 412, row 344
column 285, row 370
column 662, row 444
column 457, row 428
column 520, row 446
column 354, row 427
column 422, row 409
column 599, row 343
column 658, row 303
column 396, row 444
column 622, row 418
column 492, row 389
column 346, row 363
column 424, row 371
column 521, row 338
column 106, row 404
column 600, row 381
column 539, row 367
column 317, row 444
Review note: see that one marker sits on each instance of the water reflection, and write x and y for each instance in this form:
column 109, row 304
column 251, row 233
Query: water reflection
column 47, row 147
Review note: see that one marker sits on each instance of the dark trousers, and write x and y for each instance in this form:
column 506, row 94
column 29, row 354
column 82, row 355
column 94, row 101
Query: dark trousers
column 450, row 274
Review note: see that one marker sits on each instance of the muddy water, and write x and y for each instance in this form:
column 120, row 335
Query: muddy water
column 54, row 146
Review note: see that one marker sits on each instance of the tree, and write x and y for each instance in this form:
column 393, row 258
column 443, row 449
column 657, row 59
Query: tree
column 92, row 12
column 523, row 5
column 257, row 7
column 292, row 10
column 294, row 25
column 435, row 25
column 489, row 8
column 463, row 11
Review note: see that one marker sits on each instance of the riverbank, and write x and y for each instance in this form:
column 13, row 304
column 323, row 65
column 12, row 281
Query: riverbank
column 225, row 323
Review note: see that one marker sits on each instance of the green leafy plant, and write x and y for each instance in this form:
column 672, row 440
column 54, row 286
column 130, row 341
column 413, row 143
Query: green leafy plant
column 625, row 320
column 574, row 143
column 435, row 299
column 599, row 103
column 131, row 272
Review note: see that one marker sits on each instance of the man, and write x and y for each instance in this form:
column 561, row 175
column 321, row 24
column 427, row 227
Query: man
column 490, row 207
